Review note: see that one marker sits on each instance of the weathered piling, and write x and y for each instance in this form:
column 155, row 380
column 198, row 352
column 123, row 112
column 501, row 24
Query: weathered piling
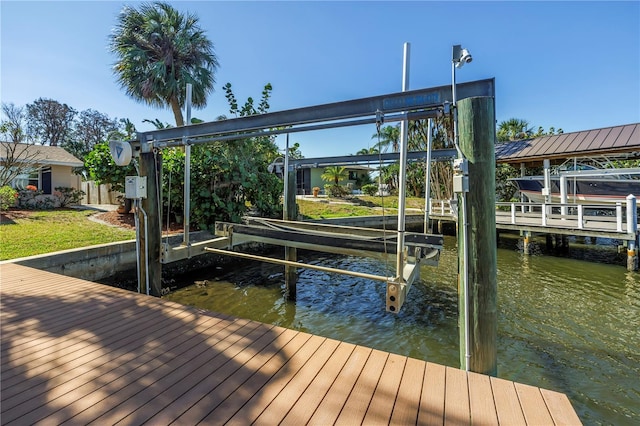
column 150, row 232
column 290, row 212
column 476, row 139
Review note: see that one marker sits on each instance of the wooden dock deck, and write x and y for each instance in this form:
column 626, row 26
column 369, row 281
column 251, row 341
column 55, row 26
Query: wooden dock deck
column 77, row 352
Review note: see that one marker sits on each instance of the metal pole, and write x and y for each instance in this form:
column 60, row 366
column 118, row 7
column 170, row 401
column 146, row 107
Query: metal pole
column 286, row 179
column 427, row 179
column 463, row 229
column 404, row 125
column 289, row 213
column 187, row 171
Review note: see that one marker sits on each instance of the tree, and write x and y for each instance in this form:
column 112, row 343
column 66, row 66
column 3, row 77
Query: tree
column 370, row 150
column 159, row 51
column 226, row 176
column 334, row 174
column 49, row 122
column 13, row 124
column 294, row 152
column 157, row 123
column 513, row 129
column 128, row 127
column 103, row 169
column 552, row 131
column 16, row 159
column 91, row 128
column 389, row 137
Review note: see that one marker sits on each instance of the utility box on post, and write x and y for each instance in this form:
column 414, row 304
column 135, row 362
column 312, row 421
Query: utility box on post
column 135, row 187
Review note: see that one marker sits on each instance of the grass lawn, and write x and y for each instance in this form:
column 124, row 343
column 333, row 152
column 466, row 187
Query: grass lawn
column 27, row 233
column 324, row 208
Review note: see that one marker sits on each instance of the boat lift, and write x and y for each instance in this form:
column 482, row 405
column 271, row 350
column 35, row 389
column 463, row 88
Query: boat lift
column 411, row 249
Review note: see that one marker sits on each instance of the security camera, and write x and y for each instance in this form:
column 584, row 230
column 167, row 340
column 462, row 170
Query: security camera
column 465, row 57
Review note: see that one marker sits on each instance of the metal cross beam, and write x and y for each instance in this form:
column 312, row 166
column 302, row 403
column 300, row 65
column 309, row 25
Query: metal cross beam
column 391, row 103
column 388, row 157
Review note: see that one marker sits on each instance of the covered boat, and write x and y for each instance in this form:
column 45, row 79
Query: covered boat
column 583, row 185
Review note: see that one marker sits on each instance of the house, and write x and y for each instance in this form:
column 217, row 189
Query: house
column 308, row 177
column 45, row 167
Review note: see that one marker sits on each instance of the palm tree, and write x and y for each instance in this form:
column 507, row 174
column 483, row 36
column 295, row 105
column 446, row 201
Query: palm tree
column 370, row 150
column 389, row 136
column 334, row 174
column 157, row 123
column 159, row 51
column 514, row 129
column 129, row 127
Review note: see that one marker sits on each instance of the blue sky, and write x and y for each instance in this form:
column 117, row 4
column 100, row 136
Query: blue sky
column 573, row 65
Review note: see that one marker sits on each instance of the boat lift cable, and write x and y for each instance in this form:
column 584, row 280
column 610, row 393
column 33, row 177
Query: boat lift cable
column 379, row 123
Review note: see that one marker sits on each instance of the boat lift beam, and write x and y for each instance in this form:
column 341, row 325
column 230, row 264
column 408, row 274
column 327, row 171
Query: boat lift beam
column 334, row 239
column 332, row 114
column 364, row 242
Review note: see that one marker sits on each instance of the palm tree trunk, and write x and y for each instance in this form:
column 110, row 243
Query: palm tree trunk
column 177, row 111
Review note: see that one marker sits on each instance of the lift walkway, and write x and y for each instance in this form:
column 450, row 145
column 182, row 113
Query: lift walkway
column 79, row 352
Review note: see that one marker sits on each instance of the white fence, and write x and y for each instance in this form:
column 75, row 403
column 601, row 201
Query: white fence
column 98, row 194
column 619, row 218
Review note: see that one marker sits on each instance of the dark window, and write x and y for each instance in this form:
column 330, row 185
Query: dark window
column 34, row 178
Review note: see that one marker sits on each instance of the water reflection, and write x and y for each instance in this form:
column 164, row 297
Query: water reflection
column 564, row 324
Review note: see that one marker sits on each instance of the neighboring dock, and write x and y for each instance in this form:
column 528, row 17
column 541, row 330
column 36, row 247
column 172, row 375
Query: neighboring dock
column 80, row 352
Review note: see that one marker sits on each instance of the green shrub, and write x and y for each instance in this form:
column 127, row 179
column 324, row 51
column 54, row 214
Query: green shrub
column 337, row 191
column 370, row 189
column 8, row 197
column 68, row 196
column 35, row 200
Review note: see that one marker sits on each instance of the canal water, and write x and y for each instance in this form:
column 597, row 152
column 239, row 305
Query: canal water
column 566, row 324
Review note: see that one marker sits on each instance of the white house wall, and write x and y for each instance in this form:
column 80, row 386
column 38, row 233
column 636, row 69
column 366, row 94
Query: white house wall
column 63, row 176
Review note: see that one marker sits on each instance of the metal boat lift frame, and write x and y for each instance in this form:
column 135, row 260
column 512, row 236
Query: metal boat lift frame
column 401, row 106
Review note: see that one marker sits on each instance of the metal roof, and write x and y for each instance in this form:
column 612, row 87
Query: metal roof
column 596, row 142
column 41, row 154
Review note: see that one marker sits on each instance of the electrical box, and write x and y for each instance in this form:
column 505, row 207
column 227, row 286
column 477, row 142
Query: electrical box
column 460, row 175
column 135, row 187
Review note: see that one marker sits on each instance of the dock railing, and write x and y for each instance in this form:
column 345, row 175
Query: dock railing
column 621, row 217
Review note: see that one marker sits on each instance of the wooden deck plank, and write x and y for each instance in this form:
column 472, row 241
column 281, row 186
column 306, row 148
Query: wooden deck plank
column 129, row 396
column 169, row 387
column 481, row 400
column 97, row 334
column 432, row 400
column 355, row 409
column 296, row 387
column 312, row 397
column 507, row 402
column 532, row 405
column 117, row 385
column 25, row 329
column 384, row 397
column 135, row 371
column 79, row 352
column 199, row 401
column 257, row 404
column 405, row 410
column 79, row 362
column 198, row 390
column 456, row 408
column 240, row 398
column 111, row 367
column 335, row 399
column 560, row 408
